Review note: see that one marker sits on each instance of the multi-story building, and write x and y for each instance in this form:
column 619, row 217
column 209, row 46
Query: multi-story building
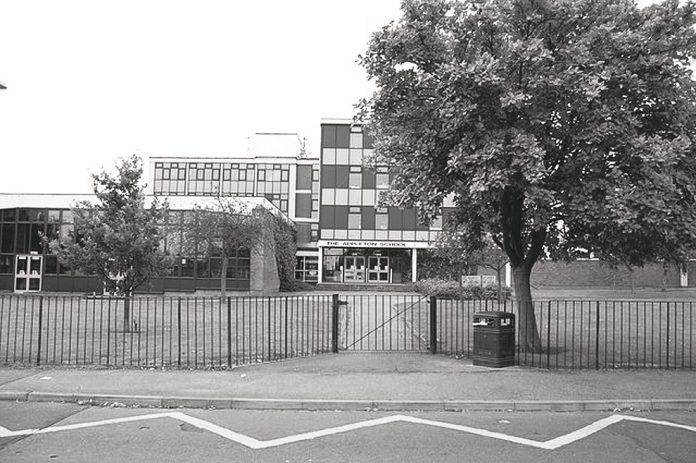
column 344, row 235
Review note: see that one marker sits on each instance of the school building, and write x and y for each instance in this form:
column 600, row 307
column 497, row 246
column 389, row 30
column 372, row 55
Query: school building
column 343, row 236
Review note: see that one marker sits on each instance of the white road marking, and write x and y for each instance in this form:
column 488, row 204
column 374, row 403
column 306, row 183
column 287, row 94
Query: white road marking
column 256, row 444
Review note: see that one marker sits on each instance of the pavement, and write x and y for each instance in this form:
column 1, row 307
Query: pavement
column 360, row 381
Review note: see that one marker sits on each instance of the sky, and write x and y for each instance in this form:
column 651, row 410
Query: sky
column 91, row 81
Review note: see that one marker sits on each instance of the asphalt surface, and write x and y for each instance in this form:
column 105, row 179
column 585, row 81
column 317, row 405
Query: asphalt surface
column 170, row 439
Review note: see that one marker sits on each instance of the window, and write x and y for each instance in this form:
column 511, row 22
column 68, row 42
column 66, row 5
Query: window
column 314, row 232
column 381, row 221
column 354, row 221
column 382, row 178
column 307, row 268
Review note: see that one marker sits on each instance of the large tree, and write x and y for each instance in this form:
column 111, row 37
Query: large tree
column 117, row 238
column 555, row 124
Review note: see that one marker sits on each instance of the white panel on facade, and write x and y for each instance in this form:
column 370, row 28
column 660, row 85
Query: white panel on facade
column 353, row 234
column 448, row 201
column 381, row 235
column 340, row 234
column 355, row 157
column 409, row 235
column 395, row 235
column 354, row 197
column 341, row 196
column 368, row 234
column 329, row 155
column 327, row 234
column 421, row 236
column 356, row 140
column 327, row 196
column 342, row 156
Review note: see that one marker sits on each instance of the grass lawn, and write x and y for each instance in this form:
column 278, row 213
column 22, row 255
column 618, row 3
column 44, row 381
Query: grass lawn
column 194, row 333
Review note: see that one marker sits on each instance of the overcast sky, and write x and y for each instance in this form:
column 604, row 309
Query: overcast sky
column 89, row 81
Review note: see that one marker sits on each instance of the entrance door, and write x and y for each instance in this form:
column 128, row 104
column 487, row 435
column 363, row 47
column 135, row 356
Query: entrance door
column 28, row 273
column 354, row 270
column 378, row 269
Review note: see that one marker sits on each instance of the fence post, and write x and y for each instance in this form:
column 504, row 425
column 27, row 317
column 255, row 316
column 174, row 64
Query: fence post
column 597, row 338
column 667, row 347
column 229, row 332
column 433, row 324
column 548, row 335
column 178, row 331
column 38, row 352
column 269, row 328
column 285, row 329
column 334, row 323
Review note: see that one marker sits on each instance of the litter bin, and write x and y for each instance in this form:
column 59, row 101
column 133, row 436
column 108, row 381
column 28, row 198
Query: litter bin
column 494, row 339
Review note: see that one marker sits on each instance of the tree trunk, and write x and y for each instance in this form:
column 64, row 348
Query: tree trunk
column 126, row 313
column 223, row 278
column 528, row 332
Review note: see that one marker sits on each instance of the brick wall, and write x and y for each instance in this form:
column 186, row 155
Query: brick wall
column 597, row 273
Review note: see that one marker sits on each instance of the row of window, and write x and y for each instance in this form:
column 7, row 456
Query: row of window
column 345, row 136
column 379, row 235
column 36, row 215
column 201, row 267
column 374, row 218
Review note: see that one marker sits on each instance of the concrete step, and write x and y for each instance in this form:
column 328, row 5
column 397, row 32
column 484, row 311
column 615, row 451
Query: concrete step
column 342, row 287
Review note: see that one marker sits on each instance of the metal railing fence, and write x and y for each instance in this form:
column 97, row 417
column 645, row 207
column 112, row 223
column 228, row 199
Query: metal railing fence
column 186, row 332
column 205, row 332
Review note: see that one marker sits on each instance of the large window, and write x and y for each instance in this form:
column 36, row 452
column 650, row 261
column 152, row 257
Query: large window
column 170, row 178
column 307, row 268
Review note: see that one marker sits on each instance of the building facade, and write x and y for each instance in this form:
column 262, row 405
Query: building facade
column 344, row 235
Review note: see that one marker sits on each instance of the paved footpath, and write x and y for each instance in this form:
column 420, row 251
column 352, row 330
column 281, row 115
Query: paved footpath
column 360, row 381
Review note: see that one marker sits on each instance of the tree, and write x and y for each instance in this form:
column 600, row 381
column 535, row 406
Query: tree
column 223, row 229
column 117, row 238
column 455, row 245
column 555, row 124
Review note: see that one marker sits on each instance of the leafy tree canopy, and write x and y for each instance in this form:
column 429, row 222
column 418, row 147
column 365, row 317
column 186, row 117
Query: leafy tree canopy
column 556, row 124
column 117, row 238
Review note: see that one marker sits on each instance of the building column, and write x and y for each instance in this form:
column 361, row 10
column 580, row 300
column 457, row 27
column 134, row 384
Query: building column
column 684, row 275
column 414, row 265
column 320, row 267
column 508, row 274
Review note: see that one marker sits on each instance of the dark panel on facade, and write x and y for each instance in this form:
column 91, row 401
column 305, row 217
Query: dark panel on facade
column 395, row 218
column 409, row 218
column 328, row 176
column 328, row 136
column 341, row 217
column 326, row 217
column 304, row 177
column 343, row 136
column 303, row 205
column 368, row 217
column 368, row 178
column 342, row 173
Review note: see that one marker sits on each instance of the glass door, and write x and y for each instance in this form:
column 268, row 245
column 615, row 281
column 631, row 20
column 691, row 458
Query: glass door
column 28, row 273
column 378, row 269
column 355, row 269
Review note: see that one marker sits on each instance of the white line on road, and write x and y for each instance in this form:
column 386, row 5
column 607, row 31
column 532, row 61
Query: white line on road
column 252, row 443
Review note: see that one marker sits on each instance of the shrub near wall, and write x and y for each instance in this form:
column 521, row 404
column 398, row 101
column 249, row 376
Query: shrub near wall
column 450, row 289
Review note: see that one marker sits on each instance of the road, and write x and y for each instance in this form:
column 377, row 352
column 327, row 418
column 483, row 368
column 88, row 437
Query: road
column 183, row 435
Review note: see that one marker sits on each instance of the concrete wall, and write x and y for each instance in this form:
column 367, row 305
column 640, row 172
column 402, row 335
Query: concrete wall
column 599, row 274
column 264, row 269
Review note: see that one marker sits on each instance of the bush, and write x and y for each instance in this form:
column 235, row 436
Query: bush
column 450, row 289
column 297, row 286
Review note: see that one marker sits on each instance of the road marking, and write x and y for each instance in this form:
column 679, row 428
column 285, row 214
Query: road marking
column 256, row 444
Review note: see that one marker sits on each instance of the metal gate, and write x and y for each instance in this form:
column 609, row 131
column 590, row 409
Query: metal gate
column 384, row 323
